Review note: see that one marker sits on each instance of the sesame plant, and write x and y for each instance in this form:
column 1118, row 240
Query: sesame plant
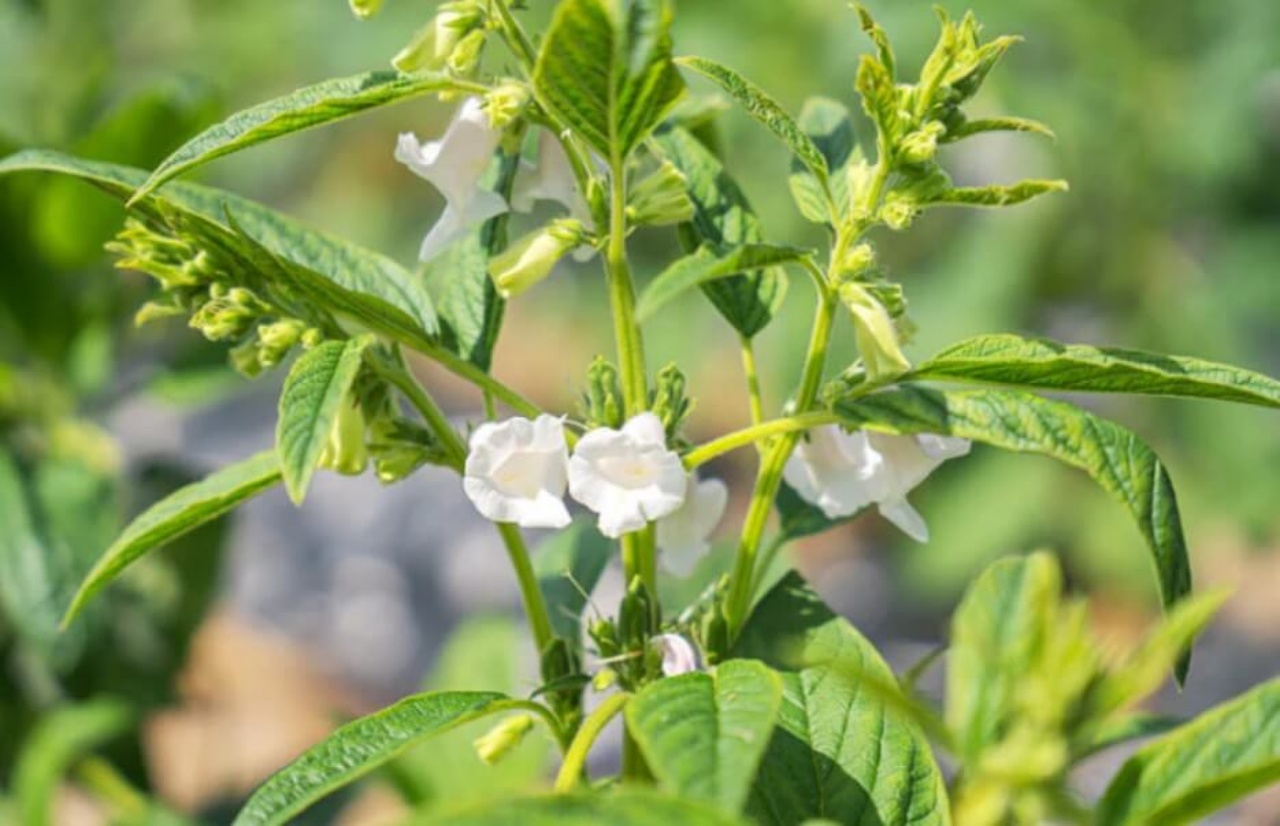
column 750, row 701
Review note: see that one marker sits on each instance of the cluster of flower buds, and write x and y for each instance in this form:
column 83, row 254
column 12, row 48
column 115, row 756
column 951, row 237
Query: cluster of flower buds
column 195, row 284
column 453, row 40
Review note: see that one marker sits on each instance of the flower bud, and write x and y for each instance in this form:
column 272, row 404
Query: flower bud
column 246, row 358
column 669, row 402
column 505, row 103
column 277, row 339
column 877, row 337
column 156, row 310
column 856, row 262
column 602, row 406
column 364, row 9
column 434, row 44
column 502, row 739
column 921, row 146
column 466, row 55
column 898, row 213
column 532, row 258
column 605, row 679
column 661, row 199
column 221, row 319
column 345, row 451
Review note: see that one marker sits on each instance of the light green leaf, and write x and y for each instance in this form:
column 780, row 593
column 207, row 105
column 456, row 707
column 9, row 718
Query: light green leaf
column 313, row 394
column 1201, row 767
column 996, row 635
column 840, row 751
column 308, row 107
column 1116, row 459
column 999, row 124
column 371, row 287
column 605, row 69
column 178, row 513
column 706, row 266
column 705, row 734
column 1047, row 365
column 569, row 565
column 623, row 807
column 995, row 195
column 723, row 219
column 59, row 740
column 766, row 110
column 830, row 125
column 30, row 571
column 1138, row 726
column 363, row 745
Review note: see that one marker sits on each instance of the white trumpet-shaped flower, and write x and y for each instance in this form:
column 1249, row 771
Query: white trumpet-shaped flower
column 454, row 165
column 678, row 655
column 841, row 472
column 628, row 477
column 553, row 179
column 684, row 536
column 517, row 472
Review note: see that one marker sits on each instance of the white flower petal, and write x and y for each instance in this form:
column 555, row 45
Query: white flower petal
column 838, row 472
column 943, row 447
column 684, row 536
column 516, row 472
column 907, row 518
column 646, row 429
column 678, row 655
column 552, row 179
column 628, row 477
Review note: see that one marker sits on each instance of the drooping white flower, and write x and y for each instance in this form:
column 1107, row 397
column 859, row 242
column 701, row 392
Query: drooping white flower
column 842, row 472
column 454, row 165
column 629, row 476
column 553, row 179
column 684, row 536
column 678, row 655
column 516, row 472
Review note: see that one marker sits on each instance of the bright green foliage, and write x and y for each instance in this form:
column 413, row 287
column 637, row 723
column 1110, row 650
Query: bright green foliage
column 841, row 751
column 317, row 387
column 829, row 125
column 617, row 808
column 605, row 68
column 999, row 124
column 705, row 734
column 1046, row 365
column 994, row 195
column 757, row 103
column 705, row 266
column 323, row 103
column 1206, row 765
column 569, row 566
column 1116, row 459
column 723, row 219
column 180, row 512
column 363, row 745
column 61, row 739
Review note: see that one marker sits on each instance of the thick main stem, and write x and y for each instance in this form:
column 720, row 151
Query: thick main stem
column 575, row 759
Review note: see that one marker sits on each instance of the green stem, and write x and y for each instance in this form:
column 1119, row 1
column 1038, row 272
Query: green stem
column 109, row 786
column 535, row 605
column 575, row 759
column 466, row 370
column 756, row 433
column 400, row 377
column 622, row 300
column 515, row 36
column 753, row 380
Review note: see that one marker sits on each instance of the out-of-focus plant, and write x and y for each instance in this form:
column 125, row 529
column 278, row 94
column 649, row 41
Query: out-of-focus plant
column 754, row 700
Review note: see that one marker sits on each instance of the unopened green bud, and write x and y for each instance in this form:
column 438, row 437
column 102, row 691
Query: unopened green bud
column 605, row 679
column 466, row 55
column 921, row 146
column 221, row 319
column 532, row 258
column 876, row 335
column 638, row 617
column 898, row 213
column 246, row 358
column 502, row 739
column 346, row 452
column 505, row 103
column 433, row 44
column 364, row 9
column 156, row 310
column 669, row 401
column 661, row 199
column 856, row 262
column 277, row 339
column 399, row 447
column 312, row 337
column 602, row 405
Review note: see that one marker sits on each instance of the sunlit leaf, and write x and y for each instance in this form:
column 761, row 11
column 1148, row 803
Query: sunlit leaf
column 706, row 266
column 626, row 807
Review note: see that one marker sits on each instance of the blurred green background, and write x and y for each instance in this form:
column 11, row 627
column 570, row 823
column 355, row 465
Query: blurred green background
column 1168, row 122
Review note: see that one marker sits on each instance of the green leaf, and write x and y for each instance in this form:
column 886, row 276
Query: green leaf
column 313, row 394
column 569, row 564
column 623, row 807
column 1047, row 365
column 724, row 220
column 311, row 106
column 177, row 514
column 830, row 125
column 767, row 111
column 1129, row 727
column 1201, row 767
column 994, row 195
column 706, row 266
column 363, row 745
column 840, row 751
column 58, row 741
column 1116, row 459
column 996, row 635
column 605, row 69
column 799, row 519
column 30, row 570
column 1000, row 124
column 371, row 287
column 705, row 734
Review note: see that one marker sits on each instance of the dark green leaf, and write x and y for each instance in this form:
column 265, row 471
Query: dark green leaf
column 1201, row 767
column 628, row 807
column 327, row 102
column 31, row 574
column 605, row 69
column 569, row 565
column 705, row 734
column 175, row 515
column 705, row 266
column 361, row 746
column 800, row 519
column 723, row 219
column 313, row 395
column 1048, row 365
column 840, row 751
column 764, row 109
column 1116, row 459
